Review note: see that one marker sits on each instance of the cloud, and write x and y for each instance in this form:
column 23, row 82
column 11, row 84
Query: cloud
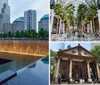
column 19, row 6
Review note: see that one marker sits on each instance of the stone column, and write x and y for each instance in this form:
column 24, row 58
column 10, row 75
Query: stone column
column 57, row 70
column 98, row 71
column 70, row 70
column 88, row 70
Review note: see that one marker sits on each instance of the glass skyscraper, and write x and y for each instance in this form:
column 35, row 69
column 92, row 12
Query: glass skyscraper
column 4, row 13
column 30, row 19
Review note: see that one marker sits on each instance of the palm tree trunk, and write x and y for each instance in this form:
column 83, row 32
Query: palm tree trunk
column 93, row 25
column 57, row 26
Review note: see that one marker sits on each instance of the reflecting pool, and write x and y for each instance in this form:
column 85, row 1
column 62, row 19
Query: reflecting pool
column 18, row 61
column 34, row 74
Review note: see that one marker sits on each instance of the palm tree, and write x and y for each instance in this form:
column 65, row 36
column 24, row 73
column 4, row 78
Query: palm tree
column 58, row 9
column 81, row 16
column 70, row 18
column 92, row 13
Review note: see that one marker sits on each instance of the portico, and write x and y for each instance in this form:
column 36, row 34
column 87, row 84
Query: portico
column 77, row 63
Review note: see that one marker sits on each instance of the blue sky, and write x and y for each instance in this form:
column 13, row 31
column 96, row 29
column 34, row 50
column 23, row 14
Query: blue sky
column 57, row 46
column 19, row 6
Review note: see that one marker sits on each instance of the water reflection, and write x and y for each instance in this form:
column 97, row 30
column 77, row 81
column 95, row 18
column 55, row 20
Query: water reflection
column 35, row 74
column 19, row 61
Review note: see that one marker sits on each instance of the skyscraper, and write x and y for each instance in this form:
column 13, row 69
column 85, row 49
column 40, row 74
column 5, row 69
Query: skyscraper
column 30, row 19
column 4, row 13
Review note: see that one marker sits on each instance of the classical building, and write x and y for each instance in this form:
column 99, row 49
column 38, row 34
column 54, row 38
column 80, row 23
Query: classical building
column 77, row 63
column 30, row 19
column 4, row 13
column 44, row 23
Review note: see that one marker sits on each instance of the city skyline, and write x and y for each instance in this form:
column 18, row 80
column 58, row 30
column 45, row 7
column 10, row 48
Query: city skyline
column 17, row 10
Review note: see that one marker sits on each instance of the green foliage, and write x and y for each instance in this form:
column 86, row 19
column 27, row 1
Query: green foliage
column 66, row 14
column 53, row 53
column 52, row 61
column 96, row 51
column 26, row 34
column 43, row 33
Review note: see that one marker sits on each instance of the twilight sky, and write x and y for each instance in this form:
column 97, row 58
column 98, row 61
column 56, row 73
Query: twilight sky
column 19, row 6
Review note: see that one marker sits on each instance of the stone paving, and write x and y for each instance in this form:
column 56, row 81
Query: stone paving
column 62, row 37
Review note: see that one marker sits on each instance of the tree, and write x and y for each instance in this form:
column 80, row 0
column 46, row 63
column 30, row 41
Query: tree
column 18, row 34
column 96, row 51
column 41, row 33
column 52, row 62
column 81, row 16
column 91, row 13
column 58, row 9
column 69, row 15
column 9, row 34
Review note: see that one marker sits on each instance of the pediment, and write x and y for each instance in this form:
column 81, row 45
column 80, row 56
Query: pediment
column 79, row 51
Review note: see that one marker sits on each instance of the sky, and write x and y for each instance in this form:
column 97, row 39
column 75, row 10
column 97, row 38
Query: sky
column 17, row 8
column 57, row 46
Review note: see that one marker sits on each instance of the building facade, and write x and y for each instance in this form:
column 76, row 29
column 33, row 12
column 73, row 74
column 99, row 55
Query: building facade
column 44, row 23
column 30, row 19
column 77, row 63
column 7, row 27
column 4, row 13
column 18, row 25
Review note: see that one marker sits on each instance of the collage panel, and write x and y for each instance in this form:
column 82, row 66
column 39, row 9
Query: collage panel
column 75, row 20
column 74, row 63
column 24, row 42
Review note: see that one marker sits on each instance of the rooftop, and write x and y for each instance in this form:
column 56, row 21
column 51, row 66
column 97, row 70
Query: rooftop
column 20, row 19
column 45, row 16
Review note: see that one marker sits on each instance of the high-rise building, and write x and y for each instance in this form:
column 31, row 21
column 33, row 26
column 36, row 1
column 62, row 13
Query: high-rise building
column 4, row 13
column 44, row 23
column 30, row 19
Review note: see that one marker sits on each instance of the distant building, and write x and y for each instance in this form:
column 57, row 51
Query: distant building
column 30, row 19
column 4, row 13
column 18, row 24
column 7, row 27
column 44, row 23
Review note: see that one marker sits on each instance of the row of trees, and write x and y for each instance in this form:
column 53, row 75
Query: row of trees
column 85, row 15
column 66, row 14
column 26, row 34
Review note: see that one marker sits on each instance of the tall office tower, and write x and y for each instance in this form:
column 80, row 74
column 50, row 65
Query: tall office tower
column 30, row 19
column 4, row 13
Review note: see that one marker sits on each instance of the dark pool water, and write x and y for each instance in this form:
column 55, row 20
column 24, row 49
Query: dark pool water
column 18, row 61
column 36, row 73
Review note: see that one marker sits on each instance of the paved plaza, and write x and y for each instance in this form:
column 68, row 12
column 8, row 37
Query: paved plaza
column 62, row 37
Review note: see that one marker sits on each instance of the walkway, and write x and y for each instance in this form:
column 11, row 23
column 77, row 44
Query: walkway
column 62, row 37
